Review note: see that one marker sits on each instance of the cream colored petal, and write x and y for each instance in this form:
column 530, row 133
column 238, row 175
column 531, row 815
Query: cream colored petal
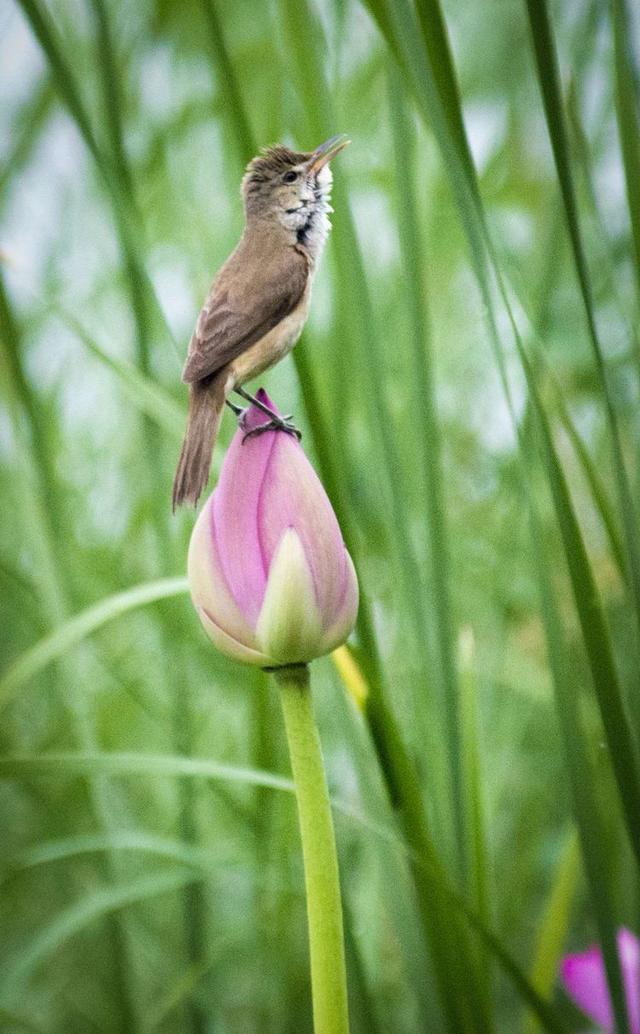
column 342, row 627
column 289, row 625
column 230, row 646
column 208, row 584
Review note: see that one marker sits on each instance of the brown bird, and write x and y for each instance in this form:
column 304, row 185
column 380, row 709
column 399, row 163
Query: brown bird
column 258, row 303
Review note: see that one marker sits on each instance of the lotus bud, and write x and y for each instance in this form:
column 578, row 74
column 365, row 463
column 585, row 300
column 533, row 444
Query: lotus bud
column 269, row 574
column 585, row 979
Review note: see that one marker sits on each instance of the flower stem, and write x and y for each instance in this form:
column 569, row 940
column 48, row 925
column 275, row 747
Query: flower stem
column 324, row 910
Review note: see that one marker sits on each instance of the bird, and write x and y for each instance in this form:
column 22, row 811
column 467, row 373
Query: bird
column 259, row 300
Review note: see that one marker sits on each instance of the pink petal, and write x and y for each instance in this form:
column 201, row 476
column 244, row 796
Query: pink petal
column 235, row 515
column 629, row 952
column 253, row 416
column 585, row 980
column 293, row 497
column 345, row 619
column 584, row 977
column 209, row 589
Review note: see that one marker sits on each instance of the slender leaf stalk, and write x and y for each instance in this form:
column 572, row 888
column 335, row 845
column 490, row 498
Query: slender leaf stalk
column 431, row 459
column 549, row 79
column 587, row 812
column 322, row 881
column 552, row 931
column 55, row 596
column 628, row 114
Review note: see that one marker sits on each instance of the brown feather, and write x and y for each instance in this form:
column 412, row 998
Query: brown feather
column 249, row 297
column 206, row 403
column 272, row 160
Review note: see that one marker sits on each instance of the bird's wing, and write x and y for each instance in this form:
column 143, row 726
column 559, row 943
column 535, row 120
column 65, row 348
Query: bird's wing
column 238, row 313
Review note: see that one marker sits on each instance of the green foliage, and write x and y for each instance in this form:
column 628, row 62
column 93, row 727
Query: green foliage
column 468, row 389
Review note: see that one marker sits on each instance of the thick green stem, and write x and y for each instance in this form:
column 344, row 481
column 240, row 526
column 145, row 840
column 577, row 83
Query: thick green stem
column 324, row 910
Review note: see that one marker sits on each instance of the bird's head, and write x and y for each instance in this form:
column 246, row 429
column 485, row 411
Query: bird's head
column 290, row 186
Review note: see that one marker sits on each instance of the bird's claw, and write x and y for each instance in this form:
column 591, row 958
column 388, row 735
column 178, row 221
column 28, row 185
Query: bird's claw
column 275, row 424
column 238, row 411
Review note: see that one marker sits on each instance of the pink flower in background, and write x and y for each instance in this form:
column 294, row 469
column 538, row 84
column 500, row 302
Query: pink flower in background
column 584, row 978
column 269, row 573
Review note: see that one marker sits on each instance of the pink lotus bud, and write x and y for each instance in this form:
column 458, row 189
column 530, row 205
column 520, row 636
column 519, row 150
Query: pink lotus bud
column 584, row 977
column 269, row 573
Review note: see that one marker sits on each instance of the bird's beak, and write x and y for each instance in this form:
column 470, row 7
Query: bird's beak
column 328, row 150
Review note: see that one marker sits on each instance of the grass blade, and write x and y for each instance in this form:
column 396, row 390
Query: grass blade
column 33, row 118
column 71, row 847
column 552, row 931
column 425, row 404
column 125, row 215
column 155, row 766
column 145, row 394
column 622, row 749
column 111, row 94
column 628, row 115
column 477, row 848
column 115, row 764
column 77, row 628
column 585, row 800
column 595, row 634
column 238, row 116
column 596, row 486
column 433, row 28
column 41, row 510
column 101, row 902
column 44, row 31
column 11, row 1021
column 549, row 81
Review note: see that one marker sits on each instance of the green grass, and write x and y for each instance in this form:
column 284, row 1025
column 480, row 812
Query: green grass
column 467, row 386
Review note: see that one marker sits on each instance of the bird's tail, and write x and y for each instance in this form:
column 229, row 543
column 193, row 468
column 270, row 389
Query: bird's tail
column 206, row 403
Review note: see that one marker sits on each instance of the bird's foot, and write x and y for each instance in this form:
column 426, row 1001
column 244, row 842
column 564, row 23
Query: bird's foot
column 238, row 410
column 276, row 423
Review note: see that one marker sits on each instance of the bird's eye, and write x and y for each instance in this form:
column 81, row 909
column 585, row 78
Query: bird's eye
column 290, row 177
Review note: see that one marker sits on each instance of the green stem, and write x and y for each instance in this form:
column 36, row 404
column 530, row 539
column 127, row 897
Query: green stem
column 324, row 909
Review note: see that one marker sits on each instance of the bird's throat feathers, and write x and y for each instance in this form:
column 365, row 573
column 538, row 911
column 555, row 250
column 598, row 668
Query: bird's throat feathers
column 280, row 191
column 305, row 219
column 314, row 226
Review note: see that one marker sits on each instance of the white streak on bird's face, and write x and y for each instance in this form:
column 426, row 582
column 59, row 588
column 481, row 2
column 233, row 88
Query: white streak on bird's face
column 304, row 208
column 279, row 187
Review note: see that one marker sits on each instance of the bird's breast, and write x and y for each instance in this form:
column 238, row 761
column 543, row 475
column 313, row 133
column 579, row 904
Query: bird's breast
column 275, row 344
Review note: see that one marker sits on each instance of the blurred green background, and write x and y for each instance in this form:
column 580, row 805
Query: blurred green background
column 487, row 790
